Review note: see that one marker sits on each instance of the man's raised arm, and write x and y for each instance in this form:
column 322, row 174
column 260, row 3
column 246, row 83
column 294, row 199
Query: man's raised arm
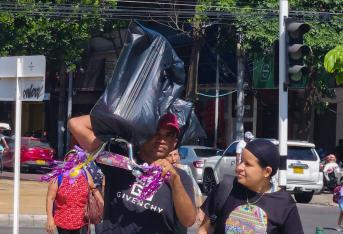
column 82, row 131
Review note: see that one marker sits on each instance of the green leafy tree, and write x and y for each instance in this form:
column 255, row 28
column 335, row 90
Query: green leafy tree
column 260, row 30
column 60, row 30
column 43, row 29
column 61, row 38
column 258, row 22
column 333, row 63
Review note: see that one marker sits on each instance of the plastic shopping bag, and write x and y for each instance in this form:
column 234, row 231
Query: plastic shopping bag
column 148, row 78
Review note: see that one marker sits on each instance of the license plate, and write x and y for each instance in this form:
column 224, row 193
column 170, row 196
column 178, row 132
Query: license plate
column 40, row 162
column 298, row 170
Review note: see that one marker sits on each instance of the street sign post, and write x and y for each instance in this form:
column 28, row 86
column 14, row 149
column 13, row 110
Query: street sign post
column 283, row 94
column 21, row 79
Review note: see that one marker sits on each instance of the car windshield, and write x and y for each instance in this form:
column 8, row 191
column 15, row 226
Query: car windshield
column 301, row 153
column 35, row 143
column 206, row 152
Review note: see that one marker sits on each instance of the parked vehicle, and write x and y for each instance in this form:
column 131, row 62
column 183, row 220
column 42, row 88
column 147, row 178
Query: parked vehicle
column 5, row 126
column 303, row 175
column 195, row 156
column 217, row 167
column 34, row 154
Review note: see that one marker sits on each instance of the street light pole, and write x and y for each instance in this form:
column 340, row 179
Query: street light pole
column 240, row 90
column 70, row 105
column 283, row 93
column 17, row 139
column 216, row 106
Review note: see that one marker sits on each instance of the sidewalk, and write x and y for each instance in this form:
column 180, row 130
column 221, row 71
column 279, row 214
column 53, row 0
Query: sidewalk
column 324, row 199
column 32, row 203
column 33, row 195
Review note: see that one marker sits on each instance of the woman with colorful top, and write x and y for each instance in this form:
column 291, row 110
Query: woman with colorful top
column 66, row 203
column 251, row 204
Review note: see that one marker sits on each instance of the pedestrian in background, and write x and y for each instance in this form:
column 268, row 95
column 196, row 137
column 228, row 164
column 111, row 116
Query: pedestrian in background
column 98, row 179
column 3, row 143
column 331, row 171
column 174, row 158
column 340, row 206
column 66, row 203
column 251, row 204
column 248, row 136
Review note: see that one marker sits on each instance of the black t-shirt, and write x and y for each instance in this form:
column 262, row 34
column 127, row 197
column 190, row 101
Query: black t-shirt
column 124, row 213
column 273, row 213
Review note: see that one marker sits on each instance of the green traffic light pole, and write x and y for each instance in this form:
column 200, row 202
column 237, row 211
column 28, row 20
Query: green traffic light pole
column 283, row 92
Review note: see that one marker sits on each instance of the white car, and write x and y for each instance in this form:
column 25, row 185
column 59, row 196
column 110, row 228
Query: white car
column 195, row 156
column 303, row 175
column 5, row 126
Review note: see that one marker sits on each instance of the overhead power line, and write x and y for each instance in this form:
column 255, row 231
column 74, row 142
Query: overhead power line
column 170, row 6
column 216, row 7
column 157, row 13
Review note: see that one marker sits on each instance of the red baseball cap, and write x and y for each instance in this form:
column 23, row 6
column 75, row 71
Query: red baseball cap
column 169, row 120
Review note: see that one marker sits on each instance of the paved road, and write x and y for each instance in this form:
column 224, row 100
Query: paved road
column 28, row 230
column 311, row 217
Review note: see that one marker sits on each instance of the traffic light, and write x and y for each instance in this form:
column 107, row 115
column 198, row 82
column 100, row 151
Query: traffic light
column 297, row 70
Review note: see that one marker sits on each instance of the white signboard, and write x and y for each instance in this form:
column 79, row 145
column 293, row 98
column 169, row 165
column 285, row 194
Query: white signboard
column 21, row 79
column 31, row 73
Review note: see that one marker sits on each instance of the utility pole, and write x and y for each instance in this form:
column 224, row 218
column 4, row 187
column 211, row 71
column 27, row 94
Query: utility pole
column 216, row 114
column 240, row 91
column 61, row 113
column 283, row 92
column 216, row 106
column 70, row 104
column 192, row 82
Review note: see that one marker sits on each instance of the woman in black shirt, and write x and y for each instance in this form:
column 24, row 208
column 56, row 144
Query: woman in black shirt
column 251, row 204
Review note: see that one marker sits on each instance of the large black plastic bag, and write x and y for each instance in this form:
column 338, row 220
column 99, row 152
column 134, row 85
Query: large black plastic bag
column 194, row 131
column 190, row 127
column 147, row 79
column 183, row 110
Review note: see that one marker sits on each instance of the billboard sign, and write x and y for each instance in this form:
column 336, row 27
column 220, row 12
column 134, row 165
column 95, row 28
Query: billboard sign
column 30, row 71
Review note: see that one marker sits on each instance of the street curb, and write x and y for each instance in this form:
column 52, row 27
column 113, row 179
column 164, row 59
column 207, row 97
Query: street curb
column 318, row 204
column 25, row 220
column 25, row 177
column 326, row 204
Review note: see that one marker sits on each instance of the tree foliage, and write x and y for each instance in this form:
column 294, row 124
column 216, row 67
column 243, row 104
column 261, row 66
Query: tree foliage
column 333, row 63
column 258, row 22
column 61, row 40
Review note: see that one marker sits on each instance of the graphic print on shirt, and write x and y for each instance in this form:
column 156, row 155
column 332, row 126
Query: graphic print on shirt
column 137, row 190
column 133, row 195
column 246, row 219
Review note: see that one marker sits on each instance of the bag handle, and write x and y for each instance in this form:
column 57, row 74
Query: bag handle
column 84, row 172
column 89, row 220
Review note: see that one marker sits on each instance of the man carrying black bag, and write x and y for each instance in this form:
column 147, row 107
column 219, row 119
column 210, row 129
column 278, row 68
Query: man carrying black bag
column 171, row 207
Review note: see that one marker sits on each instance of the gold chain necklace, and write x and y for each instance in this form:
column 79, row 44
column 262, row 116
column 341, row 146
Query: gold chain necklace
column 252, row 203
